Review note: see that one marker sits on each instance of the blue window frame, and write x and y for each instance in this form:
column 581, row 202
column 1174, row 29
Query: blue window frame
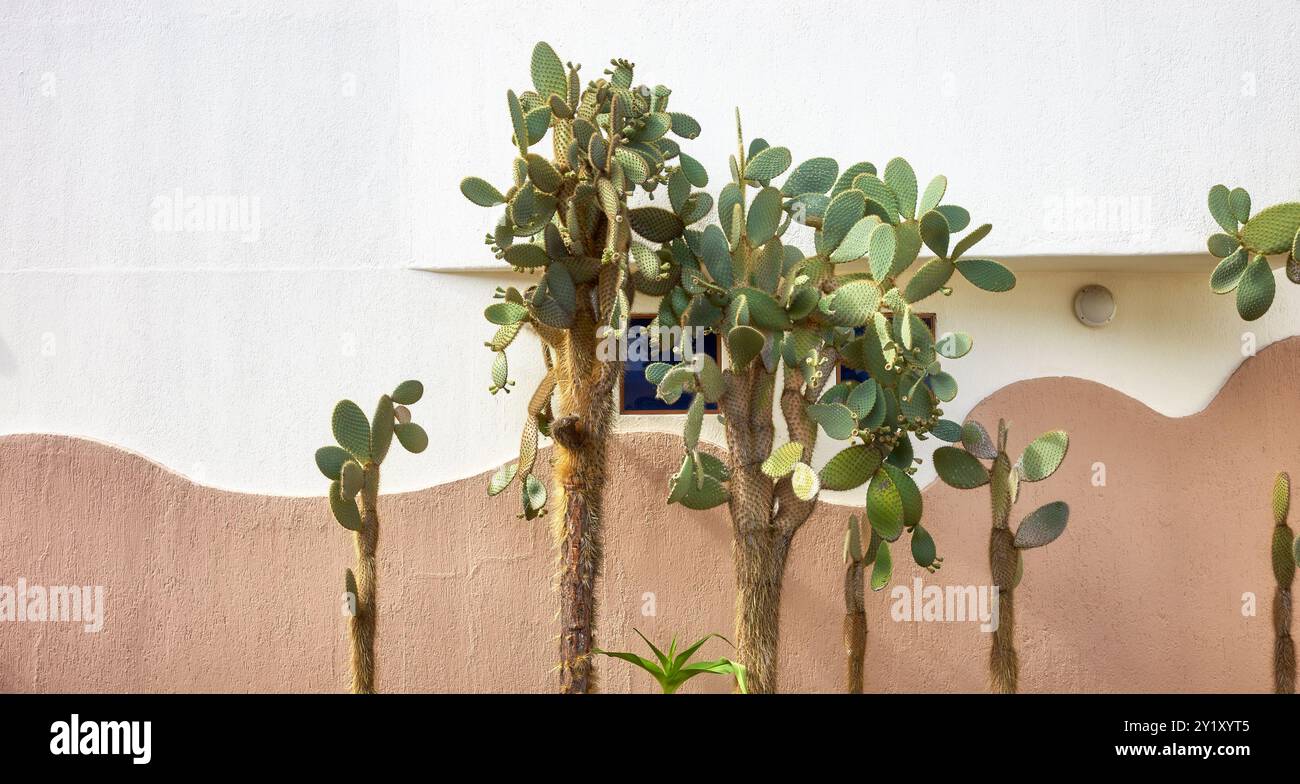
column 846, row 373
column 637, row 396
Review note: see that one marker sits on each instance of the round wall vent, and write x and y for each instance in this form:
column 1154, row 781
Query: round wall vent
column 1094, row 305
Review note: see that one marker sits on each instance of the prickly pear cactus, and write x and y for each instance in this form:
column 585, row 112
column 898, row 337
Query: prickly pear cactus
column 961, row 466
column 1284, row 546
column 796, row 313
column 1245, row 244
column 567, row 216
column 353, row 470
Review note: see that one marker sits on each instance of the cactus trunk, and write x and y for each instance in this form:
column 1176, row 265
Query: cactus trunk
column 365, row 619
column 584, row 387
column 1283, row 645
column 855, row 625
column 1004, row 666
column 759, row 558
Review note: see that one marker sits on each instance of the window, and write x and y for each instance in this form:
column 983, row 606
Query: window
column 637, row 396
column 845, row 373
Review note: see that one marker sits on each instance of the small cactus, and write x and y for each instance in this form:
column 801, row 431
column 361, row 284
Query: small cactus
column 961, row 467
column 353, row 470
column 1245, row 244
column 1284, row 557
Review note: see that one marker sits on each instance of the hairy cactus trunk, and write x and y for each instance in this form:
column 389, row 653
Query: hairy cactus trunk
column 759, row 558
column 855, row 625
column 1283, row 645
column 584, row 386
column 365, row 619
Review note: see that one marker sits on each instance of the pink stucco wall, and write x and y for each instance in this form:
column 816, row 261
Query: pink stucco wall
column 215, row 591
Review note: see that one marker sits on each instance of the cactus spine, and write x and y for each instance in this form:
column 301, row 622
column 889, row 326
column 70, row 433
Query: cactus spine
column 960, row 467
column 1283, row 557
column 789, row 317
column 567, row 217
column 353, row 470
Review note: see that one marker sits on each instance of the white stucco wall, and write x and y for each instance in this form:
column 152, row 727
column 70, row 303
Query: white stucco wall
column 341, row 130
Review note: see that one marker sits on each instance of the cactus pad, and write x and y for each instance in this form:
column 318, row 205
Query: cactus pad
column 1043, row 456
column 1043, row 525
column 959, row 468
column 352, row 429
column 1272, row 230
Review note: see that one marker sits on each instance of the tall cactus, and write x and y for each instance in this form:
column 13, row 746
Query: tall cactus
column 783, row 310
column 1245, row 244
column 960, row 467
column 567, row 217
column 1284, row 558
column 353, row 470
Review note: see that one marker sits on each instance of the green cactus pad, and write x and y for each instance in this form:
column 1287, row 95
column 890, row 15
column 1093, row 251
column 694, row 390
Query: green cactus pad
column 987, row 274
column 351, row 477
column 330, row 460
column 1239, row 201
column 502, row 478
column 344, row 508
column 636, row 168
column 1221, row 209
column 968, row 242
column 1256, row 288
column 862, row 398
column 933, row 194
column 943, row 385
column 481, row 192
column 815, row 175
column 1273, row 229
column 684, row 126
column 1220, row 245
column 844, row 210
column 782, row 459
column 412, row 437
column 977, row 441
column 526, row 256
column 711, row 380
column 708, row 494
column 845, row 181
column 883, row 568
column 1043, row 456
column 885, row 506
column 901, row 179
column 923, row 549
column 935, row 233
column 549, row 76
column 959, row 468
column 1042, row 526
column 947, row 430
column 856, row 243
column 882, row 245
column 743, row 344
column 505, row 313
column 1281, row 498
column 852, row 304
column 954, row 345
column 932, row 276
column 694, row 170
column 555, row 300
column 656, row 224
column 764, row 216
column 408, row 393
column 543, row 174
column 767, row 164
column 352, row 429
column 804, row 482
column 381, row 429
column 517, row 122
column 694, row 419
column 836, row 419
column 534, row 497
column 1228, row 273
column 958, row 218
column 1283, row 555
column 716, row 256
column 908, row 492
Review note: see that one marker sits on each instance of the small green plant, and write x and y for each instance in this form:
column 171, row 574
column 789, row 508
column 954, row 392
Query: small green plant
column 1284, row 559
column 960, row 467
column 353, row 470
column 1245, row 244
column 672, row 669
